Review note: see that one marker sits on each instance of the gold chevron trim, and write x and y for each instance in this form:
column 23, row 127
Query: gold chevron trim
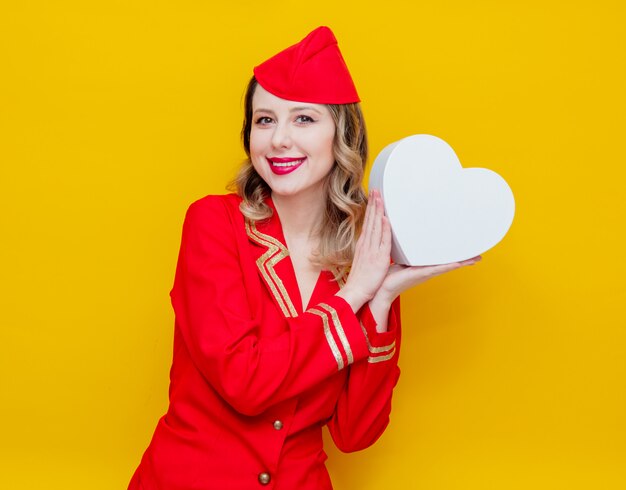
column 266, row 263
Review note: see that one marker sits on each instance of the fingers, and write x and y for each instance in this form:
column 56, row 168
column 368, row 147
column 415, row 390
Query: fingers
column 471, row 261
column 435, row 270
column 376, row 235
column 368, row 219
column 440, row 269
column 385, row 242
column 363, row 239
column 370, row 232
column 374, row 244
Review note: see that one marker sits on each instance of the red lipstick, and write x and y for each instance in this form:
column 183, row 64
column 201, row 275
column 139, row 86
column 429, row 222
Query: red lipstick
column 283, row 166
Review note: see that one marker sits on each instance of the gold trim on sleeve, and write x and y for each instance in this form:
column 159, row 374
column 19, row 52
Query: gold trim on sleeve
column 329, row 337
column 378, row 350
column 374, row 360
column 340, row 332
column 266, row 263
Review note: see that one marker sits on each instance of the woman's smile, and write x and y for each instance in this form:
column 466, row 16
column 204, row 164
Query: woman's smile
column 282, row 166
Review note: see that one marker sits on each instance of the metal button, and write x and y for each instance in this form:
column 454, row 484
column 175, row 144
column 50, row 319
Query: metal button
column 264, row 478
column 278, row 425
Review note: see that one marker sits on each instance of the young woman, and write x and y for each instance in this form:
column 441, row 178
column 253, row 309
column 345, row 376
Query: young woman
column 285, row 321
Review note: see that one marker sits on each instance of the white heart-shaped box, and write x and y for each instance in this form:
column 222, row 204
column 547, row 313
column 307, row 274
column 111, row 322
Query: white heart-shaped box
column 439, row 211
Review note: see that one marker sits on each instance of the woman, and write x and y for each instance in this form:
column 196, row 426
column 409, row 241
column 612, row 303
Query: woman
column 284, row 321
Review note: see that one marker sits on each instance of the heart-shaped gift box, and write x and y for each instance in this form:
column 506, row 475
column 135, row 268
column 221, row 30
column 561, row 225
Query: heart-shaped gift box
column 439, row 211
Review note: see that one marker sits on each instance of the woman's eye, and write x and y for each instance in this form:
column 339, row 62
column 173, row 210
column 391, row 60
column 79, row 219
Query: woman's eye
column 264, row 120
column 304, row 119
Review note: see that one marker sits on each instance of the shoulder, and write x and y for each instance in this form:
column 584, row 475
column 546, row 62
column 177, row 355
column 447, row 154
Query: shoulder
column 214, row 209
column 214, row 216
column 215, row 205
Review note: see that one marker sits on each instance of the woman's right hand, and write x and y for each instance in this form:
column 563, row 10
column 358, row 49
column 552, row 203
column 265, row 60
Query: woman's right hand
column 372, row 256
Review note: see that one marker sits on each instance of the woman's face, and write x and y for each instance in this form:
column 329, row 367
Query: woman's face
column 291, row 144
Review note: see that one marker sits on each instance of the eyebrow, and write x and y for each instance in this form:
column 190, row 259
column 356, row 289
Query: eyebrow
column 293, row 109
column 304, row 108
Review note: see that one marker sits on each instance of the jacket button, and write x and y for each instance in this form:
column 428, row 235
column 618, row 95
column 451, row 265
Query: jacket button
column 264, row 478
column 278, row 425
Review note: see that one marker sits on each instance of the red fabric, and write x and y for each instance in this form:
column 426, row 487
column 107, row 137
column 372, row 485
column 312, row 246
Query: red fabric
column 246, row 355
column 312, row 70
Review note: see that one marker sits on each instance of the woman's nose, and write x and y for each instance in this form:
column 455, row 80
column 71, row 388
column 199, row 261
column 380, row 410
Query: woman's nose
column 282, row 136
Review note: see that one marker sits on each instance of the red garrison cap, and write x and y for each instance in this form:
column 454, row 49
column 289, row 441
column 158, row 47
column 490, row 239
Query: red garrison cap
column 311, row 71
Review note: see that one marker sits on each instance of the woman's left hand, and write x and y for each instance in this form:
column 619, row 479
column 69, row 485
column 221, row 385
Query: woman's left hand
column 399, row 278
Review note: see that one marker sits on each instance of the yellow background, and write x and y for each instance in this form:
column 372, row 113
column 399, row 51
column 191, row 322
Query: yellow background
column 116, row 115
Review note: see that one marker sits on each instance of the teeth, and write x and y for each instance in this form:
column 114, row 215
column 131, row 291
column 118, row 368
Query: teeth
column 288, row 164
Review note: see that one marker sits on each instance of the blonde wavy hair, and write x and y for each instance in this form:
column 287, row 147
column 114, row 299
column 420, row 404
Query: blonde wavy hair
column 346, row 200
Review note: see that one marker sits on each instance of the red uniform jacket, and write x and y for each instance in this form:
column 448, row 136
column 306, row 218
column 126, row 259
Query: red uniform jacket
column 254, row 378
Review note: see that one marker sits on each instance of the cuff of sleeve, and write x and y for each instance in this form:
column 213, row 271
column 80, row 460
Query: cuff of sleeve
column 345, row 329
column 381, row 346
column 378, row 339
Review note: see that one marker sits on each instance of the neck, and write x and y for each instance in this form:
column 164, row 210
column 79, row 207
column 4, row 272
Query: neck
column 299, row 214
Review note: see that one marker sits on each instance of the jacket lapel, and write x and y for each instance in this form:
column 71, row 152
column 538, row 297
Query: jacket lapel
column 272, row 260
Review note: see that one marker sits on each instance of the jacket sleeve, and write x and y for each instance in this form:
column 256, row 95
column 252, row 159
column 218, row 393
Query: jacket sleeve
column 249, row 370
column 362, row 411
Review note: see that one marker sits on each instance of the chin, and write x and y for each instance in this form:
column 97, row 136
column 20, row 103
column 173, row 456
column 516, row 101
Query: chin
column 285, row 192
